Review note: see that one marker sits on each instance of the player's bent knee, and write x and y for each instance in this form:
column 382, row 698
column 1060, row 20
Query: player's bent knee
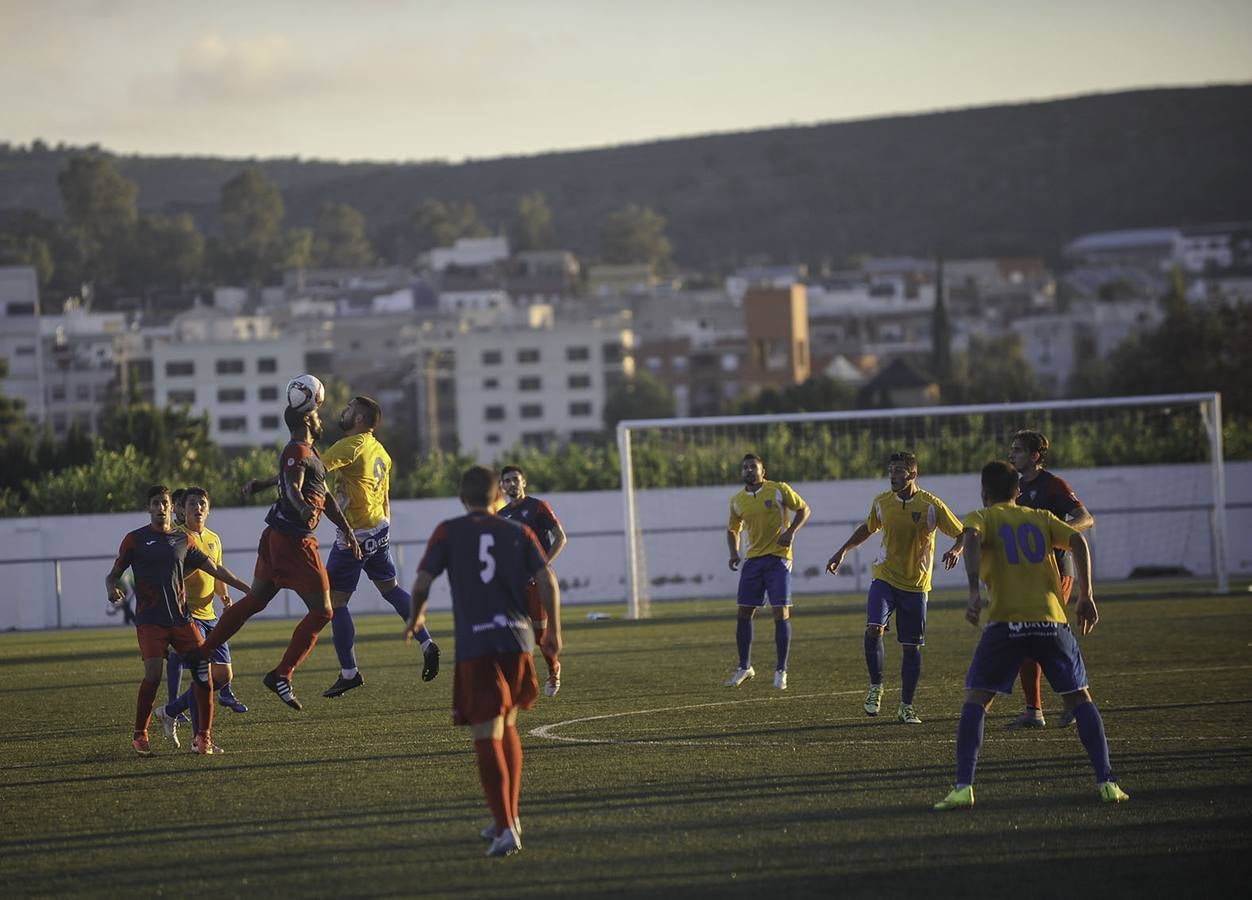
column 874, row 630
column 1075, row 699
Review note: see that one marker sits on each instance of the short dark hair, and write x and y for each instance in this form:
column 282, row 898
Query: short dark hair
column 370, row 410
column 1034, row 441
column 748, row 456
column 508, row 469
column 477, row 484
column 196, row 491
column 294, row 419
column 904, row 456
column 154, row 491
column 999, row 480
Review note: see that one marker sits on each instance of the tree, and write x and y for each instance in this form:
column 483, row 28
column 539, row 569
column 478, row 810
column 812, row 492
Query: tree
column 643, row 396
column 817, row 394
column 251, row 244
column 339, row 239
column 635, row 234
column 531, row 227
column 438, row 224
column 100, row 208
column 28, row 250
column 165, row 252
column 994, row 370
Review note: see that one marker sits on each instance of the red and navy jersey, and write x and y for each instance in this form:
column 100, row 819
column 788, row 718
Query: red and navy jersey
column 160, row 560
column 1050, row 492
column 536, row 514
column 489, row 561
column 298, row 456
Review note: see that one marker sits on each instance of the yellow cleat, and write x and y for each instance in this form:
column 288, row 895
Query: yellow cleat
column 958, row 798
column 1111, row 793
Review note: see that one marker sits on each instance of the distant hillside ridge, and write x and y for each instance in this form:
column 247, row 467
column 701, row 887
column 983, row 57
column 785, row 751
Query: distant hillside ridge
column 997, row 180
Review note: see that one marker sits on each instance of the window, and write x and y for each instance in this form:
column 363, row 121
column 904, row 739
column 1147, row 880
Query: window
column 530, row 383
column 492, row 357
column 490, row 384
column 580, row 408
column 185, row 398
column 537, row 439
column 231, row 395
column 82, row 392
column 529, row 355
column 269, row 423
column 579, row 381
column 267, row 364
column 268, row 392
column 578, row 354
column 612, row 353
column 25, row 350
column 652, row 363
column 232, row 423
column 173, row 369
column 492, row 439
column 532, row 410
column 678, row 363
column 494, row 413
column 230, row 367
column 58, row 392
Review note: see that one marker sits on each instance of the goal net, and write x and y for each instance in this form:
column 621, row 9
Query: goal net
column 1148, row 468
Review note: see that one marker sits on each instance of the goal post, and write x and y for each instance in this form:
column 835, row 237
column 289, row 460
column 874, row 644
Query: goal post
column 1149, row 467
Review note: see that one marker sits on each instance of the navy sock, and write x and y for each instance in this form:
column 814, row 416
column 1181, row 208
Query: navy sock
column 743, row 637
column 174, row 675
column 1091, row 732
column 782, row 641
column 873, row 657
column 402, row 601
column 180, row 704
column 226, row 693
column 969, row 741
column 910, row 673
column 343, row 634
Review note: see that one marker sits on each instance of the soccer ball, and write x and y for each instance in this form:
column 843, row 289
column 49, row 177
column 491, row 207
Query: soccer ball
column 305, row 393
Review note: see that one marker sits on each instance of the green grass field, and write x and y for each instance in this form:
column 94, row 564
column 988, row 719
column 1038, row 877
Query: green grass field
column 643, row 776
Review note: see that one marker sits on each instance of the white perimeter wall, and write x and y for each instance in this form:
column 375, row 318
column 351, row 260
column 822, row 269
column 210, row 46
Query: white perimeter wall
column 684, row 539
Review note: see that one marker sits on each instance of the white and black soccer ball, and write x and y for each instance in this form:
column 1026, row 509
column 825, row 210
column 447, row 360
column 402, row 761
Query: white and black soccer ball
column 305, row 393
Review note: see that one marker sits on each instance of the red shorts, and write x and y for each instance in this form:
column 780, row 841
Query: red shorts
column 534, row 604
column 287, row 561
column 153, row 639
column 1067, row 585
column 491, row 686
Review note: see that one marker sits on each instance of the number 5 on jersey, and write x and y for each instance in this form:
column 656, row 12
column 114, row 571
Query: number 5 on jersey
column 485, row 543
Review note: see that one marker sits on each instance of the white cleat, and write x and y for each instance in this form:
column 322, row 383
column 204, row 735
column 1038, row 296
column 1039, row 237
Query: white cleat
column 506, row 844
column 169, row 724
column 739, row 676
column 780, row 679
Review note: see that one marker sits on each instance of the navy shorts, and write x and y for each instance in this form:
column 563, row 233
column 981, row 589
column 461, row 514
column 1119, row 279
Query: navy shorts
column 1005, row 645
column 909, row 608
column 345, row 569
column 220, row 654
column 764, row 576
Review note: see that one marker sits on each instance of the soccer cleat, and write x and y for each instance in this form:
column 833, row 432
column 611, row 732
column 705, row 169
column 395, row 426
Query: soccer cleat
column 873, row 700
column 489, row 832
column 169, row 724
column 343, row 685
column 182, row 719
column 554, row 680
column 505, row 844
column 282, row 687
column 1111, row 793
column 232, row 703
column 204, row 746
column 739, row 676
column 142, row 747
column 1067, row 718
column 430, row 662
column 780, row 679
column 958, row 798
column 906, row 715
column 1029, row 718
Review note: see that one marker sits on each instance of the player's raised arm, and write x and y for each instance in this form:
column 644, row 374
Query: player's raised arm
column 859, row 537
column 223, row 574
column 973, row 561
column 256, row 485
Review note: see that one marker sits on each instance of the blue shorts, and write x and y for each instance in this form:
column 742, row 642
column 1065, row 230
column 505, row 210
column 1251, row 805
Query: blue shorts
column 764, row 576
column 1005, row 645
column 909, row 608
column 220, row 654
column 345, row 569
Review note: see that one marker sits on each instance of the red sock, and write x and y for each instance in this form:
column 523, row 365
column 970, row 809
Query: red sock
column 202, row 696
column 493, row 772
column 1032, row 683
column 512, row 744
column 143, row 708
column 302, row 641
column 232, row 620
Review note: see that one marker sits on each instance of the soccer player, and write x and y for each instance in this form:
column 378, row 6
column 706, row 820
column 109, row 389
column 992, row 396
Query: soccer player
column 201, row 590
column 539, row 517
column 1006, row 546
column 1040, row 489
column 363, row 490
column 490, row 562
column 287, row 555
column 908, row 518
column 762, row 506
column 159, row 556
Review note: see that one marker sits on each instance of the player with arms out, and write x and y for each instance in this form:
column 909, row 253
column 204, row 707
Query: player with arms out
column 762, row 507
column 159, row 557
column 362, row 467
column 1040, row 489
column 539, row 517
column 490, row 561
column 908, row 517
column 287, row 554
column 1006, row 547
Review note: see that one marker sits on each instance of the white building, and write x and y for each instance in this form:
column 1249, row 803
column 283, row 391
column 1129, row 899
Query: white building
column 470, row 253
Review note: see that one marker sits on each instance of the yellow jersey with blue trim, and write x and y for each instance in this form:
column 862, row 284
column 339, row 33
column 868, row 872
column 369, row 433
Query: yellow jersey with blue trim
column 764, row 512
column 907, row 558
column 362, row 469
column 201, row 587
column 1017, row 564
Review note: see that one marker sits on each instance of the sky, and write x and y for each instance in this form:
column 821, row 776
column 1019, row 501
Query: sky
column 417, row 79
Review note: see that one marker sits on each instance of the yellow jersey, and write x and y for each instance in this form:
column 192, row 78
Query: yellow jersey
column 1017, row 564
column 201, row 587
column 907, row 558
column 363, row 478
column 764, row 513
